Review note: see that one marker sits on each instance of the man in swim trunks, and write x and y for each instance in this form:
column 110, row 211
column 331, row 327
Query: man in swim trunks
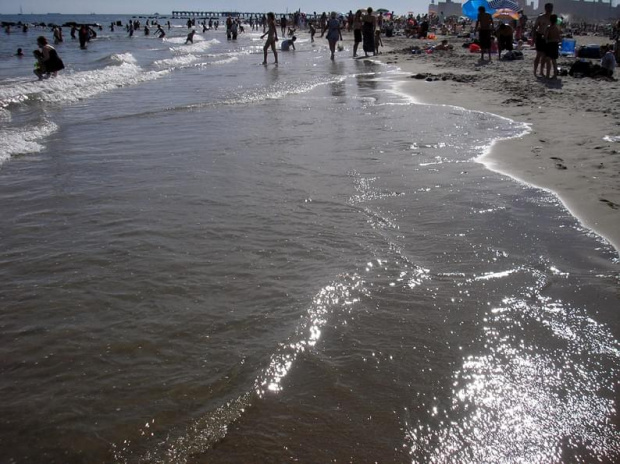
column 484, row 26
column 538, row 32
column 553, row 36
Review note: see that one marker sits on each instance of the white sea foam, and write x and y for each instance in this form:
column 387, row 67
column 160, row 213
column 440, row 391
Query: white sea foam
column 200, row 45
column 24, row 140
column 72, row 87
column 124, row 58
column 176, row 62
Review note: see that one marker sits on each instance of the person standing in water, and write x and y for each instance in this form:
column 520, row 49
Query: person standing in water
column 369, row 24
column 272, row 37
column 333, row 33
column 190, row 37
column 48, row 60
column 357, row 31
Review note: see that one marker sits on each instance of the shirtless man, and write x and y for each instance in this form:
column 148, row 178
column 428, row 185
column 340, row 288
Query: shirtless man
column 553, row 37
column 540, row 27
column 485, row 27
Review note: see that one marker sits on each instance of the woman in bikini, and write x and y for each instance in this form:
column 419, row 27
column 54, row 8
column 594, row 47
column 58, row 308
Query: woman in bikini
column 272, row 37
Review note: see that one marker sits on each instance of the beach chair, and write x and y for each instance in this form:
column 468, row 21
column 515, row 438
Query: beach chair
column 568, row 47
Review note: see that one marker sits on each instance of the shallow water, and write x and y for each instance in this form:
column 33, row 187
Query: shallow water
column 208, row 260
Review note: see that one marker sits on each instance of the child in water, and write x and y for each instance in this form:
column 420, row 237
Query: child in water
column 378, row 41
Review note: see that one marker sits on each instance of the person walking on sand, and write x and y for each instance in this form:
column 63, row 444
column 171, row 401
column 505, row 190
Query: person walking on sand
column 369, row 24
column 484, row 26
column 553, row 36
column 538, row 31
column 272, row 37
column 333, row 33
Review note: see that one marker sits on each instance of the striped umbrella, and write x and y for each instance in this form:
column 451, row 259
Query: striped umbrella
column 505, row 13
column 504, row 5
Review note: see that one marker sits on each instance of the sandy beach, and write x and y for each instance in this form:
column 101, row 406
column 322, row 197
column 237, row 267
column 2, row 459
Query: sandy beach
column 574, row 121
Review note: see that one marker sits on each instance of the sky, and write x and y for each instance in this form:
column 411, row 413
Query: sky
column 165, row 7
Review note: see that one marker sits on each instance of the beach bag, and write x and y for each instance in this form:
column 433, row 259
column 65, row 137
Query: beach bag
column 589, row 51
column 580, row 69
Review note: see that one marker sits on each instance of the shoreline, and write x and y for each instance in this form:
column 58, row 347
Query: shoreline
column 564, row 151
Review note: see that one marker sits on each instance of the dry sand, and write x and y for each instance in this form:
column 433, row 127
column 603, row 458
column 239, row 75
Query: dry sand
column 566, row 150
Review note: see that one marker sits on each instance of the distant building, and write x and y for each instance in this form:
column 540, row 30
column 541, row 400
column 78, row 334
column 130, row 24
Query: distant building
column 448, row 8
column 573, row 10
column 580, row 10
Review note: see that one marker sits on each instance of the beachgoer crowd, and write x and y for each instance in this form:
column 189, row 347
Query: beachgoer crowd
column 368, row 27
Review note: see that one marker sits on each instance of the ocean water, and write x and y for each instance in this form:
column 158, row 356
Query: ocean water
column 207, row 260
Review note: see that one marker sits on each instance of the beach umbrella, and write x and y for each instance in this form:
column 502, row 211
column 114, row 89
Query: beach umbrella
column 505, row 13
column 383, row 10
column 470, row 8
column 504, row 4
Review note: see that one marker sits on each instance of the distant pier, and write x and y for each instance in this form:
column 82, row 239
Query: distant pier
column 223, row 14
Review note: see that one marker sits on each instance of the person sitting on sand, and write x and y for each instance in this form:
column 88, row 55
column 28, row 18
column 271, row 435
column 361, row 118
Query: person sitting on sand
column 553, row 36
column 608, row 63
column 484, row 26
column 444, row 45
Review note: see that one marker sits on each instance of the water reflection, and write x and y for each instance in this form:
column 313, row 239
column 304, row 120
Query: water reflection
column 520, row 402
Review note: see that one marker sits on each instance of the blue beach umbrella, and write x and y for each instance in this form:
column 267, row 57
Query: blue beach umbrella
column 470, row 8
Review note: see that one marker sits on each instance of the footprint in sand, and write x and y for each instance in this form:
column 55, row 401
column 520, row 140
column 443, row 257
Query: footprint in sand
column 560, row 166
column 611, row 204
column 556, row 158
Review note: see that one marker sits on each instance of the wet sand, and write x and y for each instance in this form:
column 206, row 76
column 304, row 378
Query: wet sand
column 568, row 150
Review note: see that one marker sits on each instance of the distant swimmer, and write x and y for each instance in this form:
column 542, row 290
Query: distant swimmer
column 287, row 44
column 190, row 37
column 48, row 61
column 57, row 35
column 83, row 36
column 19, row 53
